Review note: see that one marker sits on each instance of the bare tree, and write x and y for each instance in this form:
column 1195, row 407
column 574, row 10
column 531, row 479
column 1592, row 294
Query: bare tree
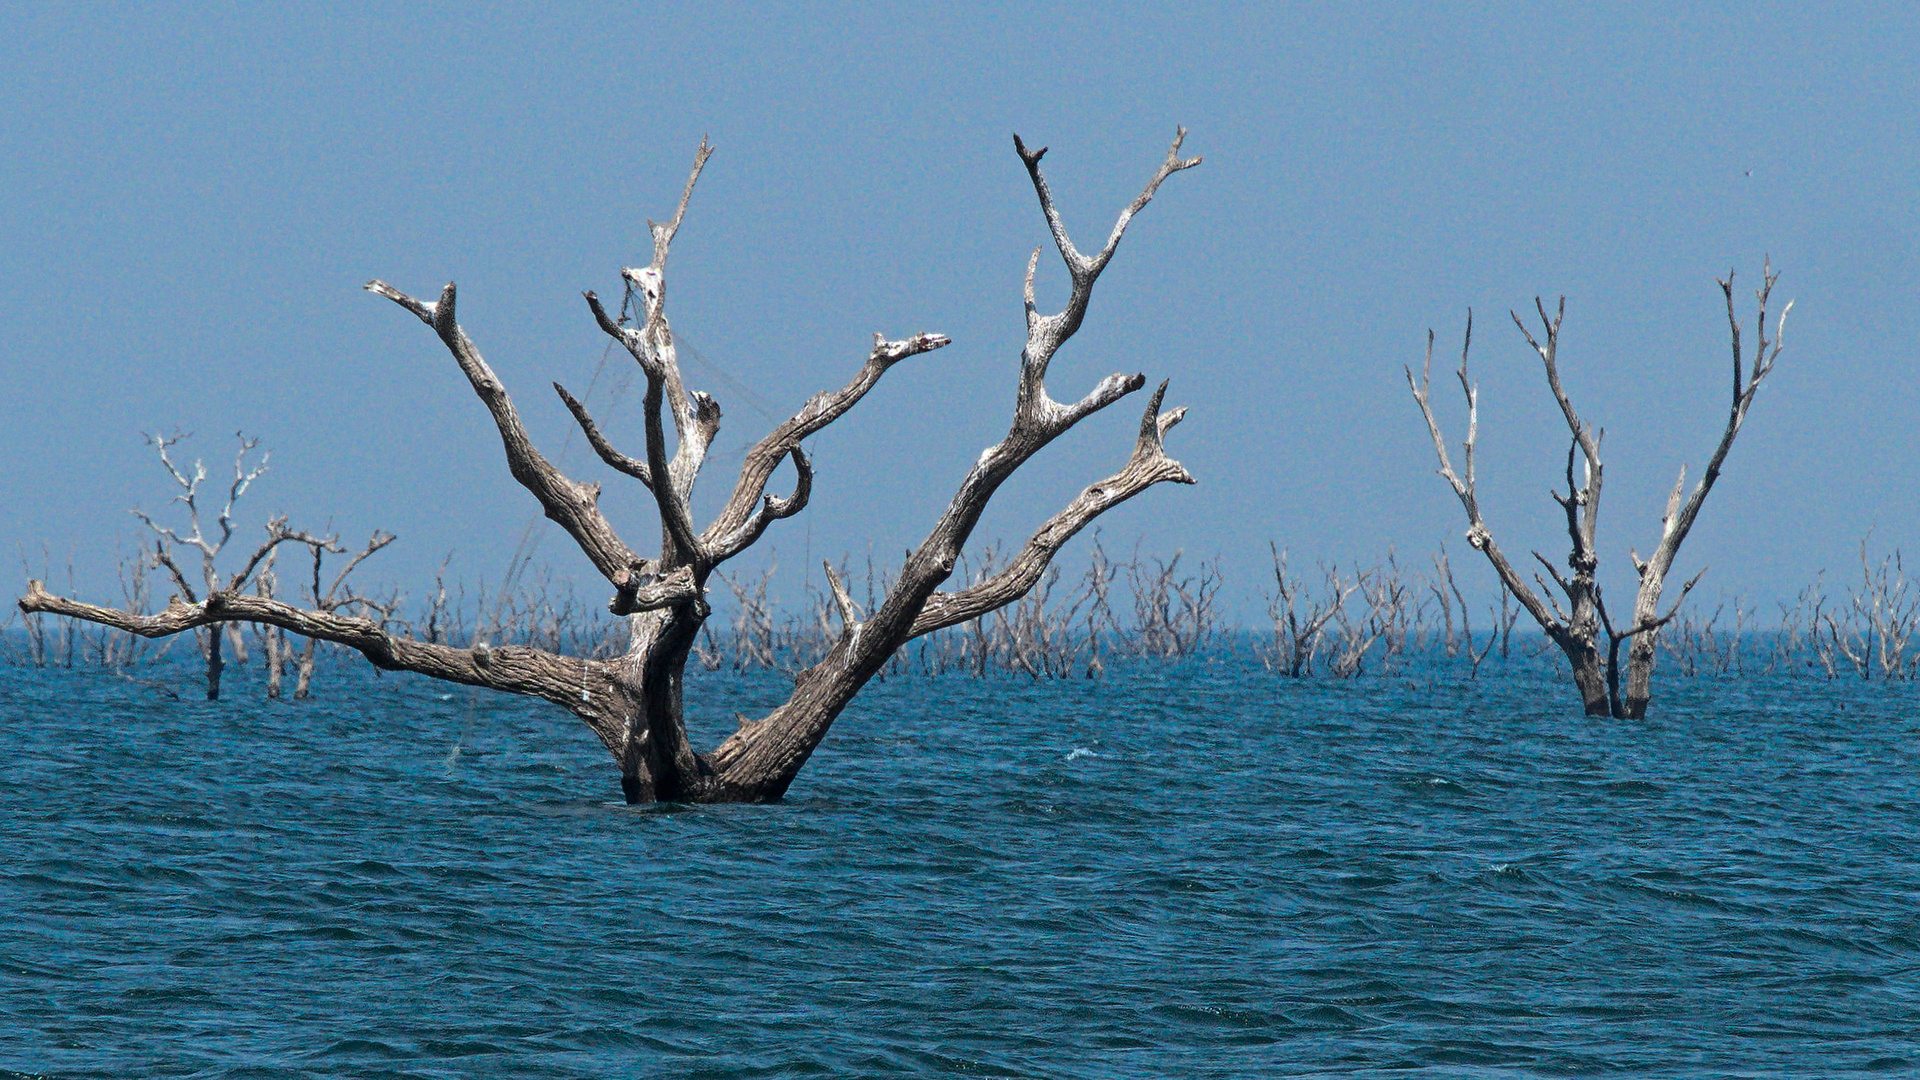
column 1299, row 634
column 200, row 542
column 1173, row 616
column 634, row 702
column 214, row 636
column 1576, row 627
column 335, row 597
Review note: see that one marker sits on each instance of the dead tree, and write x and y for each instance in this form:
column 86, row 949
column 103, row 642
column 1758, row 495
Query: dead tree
column 634, row 703
column 1576, row 627
column 208, row 547
column 214, row 635
column 334, row 599
column 1298, row 635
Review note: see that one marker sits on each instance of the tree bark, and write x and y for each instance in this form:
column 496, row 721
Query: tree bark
column 216, row 664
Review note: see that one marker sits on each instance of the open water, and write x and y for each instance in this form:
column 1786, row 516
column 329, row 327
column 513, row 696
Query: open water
column 1194, row 871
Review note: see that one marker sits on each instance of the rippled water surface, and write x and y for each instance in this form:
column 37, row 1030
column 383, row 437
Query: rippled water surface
column 1200, row 871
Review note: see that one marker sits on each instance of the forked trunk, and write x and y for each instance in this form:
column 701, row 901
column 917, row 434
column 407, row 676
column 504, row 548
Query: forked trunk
column 643, row 722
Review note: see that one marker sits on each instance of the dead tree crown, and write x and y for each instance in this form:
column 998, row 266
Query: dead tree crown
column 633, row 703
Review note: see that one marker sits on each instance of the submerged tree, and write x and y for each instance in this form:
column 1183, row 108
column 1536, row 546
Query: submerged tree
column 1576, row 628
column 634, row 702
column 213, row 637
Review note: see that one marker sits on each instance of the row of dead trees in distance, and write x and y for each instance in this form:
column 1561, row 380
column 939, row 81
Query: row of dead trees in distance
column 1342, row 620
column 1143, row 607
column 1061, row 628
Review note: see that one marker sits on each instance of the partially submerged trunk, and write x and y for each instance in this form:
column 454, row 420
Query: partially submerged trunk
column 216, row 663
column 635, row 703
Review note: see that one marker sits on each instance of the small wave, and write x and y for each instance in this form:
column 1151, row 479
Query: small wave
column 1634, row 787
column 1080, row 752
column 359, row 1048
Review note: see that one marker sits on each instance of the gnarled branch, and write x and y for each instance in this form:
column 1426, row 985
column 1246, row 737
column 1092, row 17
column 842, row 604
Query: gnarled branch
column 511, row 668
column 1149, row 465
column 820, row 410
column 620, row 462
column 771, row 509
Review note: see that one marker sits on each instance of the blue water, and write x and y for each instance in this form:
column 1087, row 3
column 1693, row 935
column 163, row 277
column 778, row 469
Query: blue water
column 1198, row 871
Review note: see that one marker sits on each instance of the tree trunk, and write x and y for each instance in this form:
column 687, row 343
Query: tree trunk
column 274, row 650
column 1640, row 654
column 1590, row 677
column 215, row 662
column 304, row 681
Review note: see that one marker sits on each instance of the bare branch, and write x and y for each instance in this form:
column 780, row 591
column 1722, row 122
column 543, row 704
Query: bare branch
column 277, row 533
column 1479, row 536
column 620, row 462
column 1549, row 358
column 771, row 509
column 163, row 558
column 651, row 348
column 1557, row 579
column 696, row 417
column 663, row 234
column 515, row 669
column 1045, row 334
column 242, row 479
column 1078, row 265
column 1148, row 465
column 819, row 411
column 378, row 540
column 1676, row 525
column 573, row 506
column 849, row 614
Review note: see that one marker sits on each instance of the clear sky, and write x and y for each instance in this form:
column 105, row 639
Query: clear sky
column 193, row 198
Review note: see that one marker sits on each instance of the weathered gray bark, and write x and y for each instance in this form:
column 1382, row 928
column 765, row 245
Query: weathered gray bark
column 1679, row 517
column 1577, row 626
column 634, row 703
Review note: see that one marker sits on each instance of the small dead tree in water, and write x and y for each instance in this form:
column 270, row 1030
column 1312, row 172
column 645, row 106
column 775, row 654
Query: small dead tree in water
column 1173, row 616
column 1576, row 628
column 1876, row 627
column 1355, row 634
column 333, row 599
column 1299, row 620
column 634, row 703
column 214, row 636
column 206, row 546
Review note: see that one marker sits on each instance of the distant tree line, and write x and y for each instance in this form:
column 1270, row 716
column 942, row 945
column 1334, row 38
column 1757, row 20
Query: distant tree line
column 1346, row 620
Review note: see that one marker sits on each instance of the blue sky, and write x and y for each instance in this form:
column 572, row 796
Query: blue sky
column 193, row 199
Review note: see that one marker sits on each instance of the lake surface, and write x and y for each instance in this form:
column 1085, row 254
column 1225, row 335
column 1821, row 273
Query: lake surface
column 1178, row 871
